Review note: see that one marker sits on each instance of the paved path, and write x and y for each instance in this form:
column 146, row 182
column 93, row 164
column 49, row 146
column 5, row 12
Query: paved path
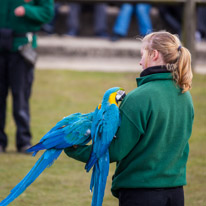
column 92, row 54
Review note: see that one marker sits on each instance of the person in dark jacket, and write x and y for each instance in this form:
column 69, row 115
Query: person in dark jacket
column 100, row 19
column 151, row 147
column 19, row 19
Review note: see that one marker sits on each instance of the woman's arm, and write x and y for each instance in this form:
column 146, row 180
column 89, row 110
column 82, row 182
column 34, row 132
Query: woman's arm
column 81, row 153
column 127, row 137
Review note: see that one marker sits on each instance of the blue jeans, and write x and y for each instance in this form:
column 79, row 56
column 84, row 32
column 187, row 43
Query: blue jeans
column 142, row 12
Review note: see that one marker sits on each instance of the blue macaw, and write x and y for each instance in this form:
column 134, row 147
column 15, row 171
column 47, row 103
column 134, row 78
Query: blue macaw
column 104, row 127
column 71, row 130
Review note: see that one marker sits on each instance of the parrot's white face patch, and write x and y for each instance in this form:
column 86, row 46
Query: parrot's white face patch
column 120, row 95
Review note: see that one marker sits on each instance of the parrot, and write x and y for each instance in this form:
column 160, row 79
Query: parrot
column 74, row 129
column 106, row 121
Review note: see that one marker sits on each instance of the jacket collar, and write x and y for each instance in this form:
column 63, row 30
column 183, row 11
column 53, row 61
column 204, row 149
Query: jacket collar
column 154, row 70
column 154, row 73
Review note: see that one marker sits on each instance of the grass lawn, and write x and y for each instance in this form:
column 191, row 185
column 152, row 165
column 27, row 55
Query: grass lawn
column 59, row 93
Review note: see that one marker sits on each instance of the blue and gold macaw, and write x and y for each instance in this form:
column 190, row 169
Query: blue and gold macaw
column 104, row 127
column 74, row 129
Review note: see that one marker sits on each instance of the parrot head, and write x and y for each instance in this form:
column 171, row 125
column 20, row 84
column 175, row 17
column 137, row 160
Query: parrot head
column 114, row 95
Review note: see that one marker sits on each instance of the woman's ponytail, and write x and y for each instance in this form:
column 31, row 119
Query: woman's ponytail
column 184, row 70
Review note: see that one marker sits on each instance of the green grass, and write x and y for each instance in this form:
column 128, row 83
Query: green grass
column 59, row 93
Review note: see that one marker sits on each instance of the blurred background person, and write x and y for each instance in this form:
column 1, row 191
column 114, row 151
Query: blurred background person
column 173, row 16
column 49, row 27
column 18, row 17
column 142, row 12
column 201, row 23
column 99, row 16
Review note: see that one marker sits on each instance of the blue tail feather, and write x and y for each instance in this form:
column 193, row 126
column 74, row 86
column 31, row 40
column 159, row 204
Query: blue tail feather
column 36, row 148
column 99, row 179
column 44, row 161
column 94, row 184
column 92, row 160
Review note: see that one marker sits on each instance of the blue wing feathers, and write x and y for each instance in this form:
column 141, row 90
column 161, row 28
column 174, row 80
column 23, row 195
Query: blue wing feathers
column 103, row 130
column 72, row 130
column 71, row 134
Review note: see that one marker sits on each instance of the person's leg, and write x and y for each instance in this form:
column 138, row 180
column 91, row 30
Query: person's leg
column 50, row 26
column 123, row 20
column 172, row 17
column 100, row 19
column 143, row 18
column 151, row 197
column 177, row 197
column 3, row 95
column 21, row 79
column 73, row 19
column 201, row 21
column 142, row 197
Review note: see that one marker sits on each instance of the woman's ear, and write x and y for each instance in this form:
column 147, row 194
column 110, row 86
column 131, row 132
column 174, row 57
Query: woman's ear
column 155, row 55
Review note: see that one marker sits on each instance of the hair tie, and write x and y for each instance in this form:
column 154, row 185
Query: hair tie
column 179, row 47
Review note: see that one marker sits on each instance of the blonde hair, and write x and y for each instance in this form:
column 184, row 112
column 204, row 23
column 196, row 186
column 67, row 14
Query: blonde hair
column 176, row 57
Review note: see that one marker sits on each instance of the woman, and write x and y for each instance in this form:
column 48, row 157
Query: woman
column 151, row 148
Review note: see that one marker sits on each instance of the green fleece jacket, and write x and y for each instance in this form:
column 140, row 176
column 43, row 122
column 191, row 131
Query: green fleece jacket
column 37, row 13
column 151, row 148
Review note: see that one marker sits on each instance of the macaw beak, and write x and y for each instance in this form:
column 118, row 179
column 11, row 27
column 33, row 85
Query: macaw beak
column 120, row 95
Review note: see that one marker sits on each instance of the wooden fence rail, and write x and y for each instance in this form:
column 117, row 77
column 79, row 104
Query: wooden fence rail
column 189, row 16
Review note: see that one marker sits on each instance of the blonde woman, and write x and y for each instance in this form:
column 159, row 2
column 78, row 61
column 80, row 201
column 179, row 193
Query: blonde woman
column 151, row 148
